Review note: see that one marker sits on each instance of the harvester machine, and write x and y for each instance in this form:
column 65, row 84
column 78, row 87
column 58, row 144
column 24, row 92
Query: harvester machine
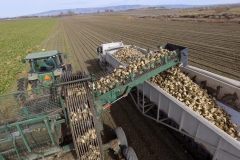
column 70, row 116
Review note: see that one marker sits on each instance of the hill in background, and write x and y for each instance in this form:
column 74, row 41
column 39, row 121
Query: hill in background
column 109, row 8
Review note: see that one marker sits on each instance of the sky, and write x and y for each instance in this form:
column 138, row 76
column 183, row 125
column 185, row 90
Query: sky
column 11, row 8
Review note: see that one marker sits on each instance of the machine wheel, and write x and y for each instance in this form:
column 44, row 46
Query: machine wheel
column 129, row 153
column 31, row 85
column 22, row 86
column 34, row 84
column 122, row 137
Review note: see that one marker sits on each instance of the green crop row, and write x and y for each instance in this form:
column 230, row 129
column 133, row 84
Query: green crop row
column 16, row 38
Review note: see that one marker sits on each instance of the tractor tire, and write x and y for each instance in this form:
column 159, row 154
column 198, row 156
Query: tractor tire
column 122, row 137
column 69, row 68
column 47, row 91
column 22, row 86
column 129, row 153
column 34, row 86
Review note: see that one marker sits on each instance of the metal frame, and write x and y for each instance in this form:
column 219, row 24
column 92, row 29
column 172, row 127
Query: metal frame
column 105, row 100
column 21, row 132
column 154, row 112
column 150, row 110
column 50, row 119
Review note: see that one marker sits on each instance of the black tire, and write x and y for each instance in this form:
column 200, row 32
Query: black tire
column 33, row 84
column 69, row 68
column 22, row 86
column 33, row 88
column 129, row 153
column 45, row 91
column 122, row 137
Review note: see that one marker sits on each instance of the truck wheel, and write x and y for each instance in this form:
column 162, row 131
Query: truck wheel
column 122, row 137
column 129, row 153
column 22, row 86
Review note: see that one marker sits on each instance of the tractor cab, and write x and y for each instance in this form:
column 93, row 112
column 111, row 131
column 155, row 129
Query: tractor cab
column 43, row 65
column 48, row 61
column 46, row 67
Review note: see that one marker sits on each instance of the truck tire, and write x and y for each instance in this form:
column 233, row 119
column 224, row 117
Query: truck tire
column 129, row 153
column 122, row 137
column 22, row 86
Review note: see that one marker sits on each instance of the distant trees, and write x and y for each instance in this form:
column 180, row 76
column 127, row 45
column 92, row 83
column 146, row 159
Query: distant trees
column 70, row 12
column 108, row 10
column 24, row 17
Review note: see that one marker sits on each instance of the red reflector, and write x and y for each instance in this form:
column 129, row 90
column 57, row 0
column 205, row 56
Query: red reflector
column 107, row 106
column 47, row 77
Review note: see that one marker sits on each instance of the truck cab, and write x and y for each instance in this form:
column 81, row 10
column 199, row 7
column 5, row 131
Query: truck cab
column 106, row 46
column 101, row 51
column 45, row 62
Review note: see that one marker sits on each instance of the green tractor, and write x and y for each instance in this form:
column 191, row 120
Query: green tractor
column 46, row 68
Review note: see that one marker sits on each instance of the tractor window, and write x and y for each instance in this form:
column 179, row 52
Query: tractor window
column 44, row 65
column 57, row 60
column 60, row 59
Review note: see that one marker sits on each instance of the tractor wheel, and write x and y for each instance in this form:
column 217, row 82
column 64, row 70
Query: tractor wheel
column 22, row 86
column 47, row 91
column 129, row 153
column 32, row 86
column 122, row 137
column 69, row 68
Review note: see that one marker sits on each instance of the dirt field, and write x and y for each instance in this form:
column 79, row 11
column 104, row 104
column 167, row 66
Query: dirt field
column 213, row 47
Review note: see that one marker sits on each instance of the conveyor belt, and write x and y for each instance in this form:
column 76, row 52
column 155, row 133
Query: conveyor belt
column 100, row 74
column 82, row 119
